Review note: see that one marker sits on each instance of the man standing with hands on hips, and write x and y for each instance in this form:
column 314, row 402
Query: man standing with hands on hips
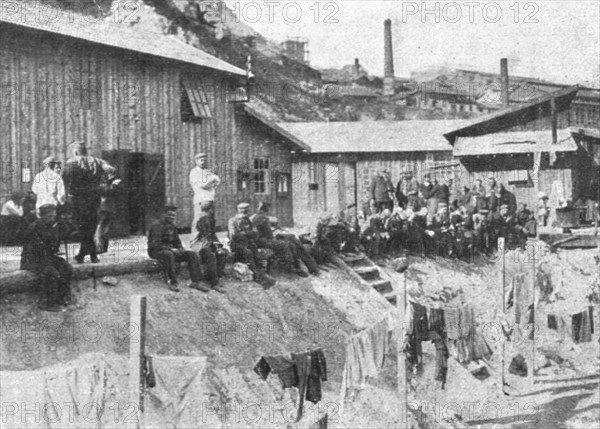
column 204, row 184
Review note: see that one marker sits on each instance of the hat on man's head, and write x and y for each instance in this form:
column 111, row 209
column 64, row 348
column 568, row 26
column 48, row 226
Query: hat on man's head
column 491, row 177
column 200, row 155
column 442, row 205
column 504, row 206
column 243, row 206
column 171, row 208
column 263, row 207
column 47, row 208
column 50, row 160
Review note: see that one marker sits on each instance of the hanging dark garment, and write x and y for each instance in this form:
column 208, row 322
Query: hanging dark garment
column 283, row 366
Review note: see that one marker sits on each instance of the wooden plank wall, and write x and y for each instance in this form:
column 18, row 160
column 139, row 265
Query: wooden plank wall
column 562, row 172
column 134, row 105
column 310, row 204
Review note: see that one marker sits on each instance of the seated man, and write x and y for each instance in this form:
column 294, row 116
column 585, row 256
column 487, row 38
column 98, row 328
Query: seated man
column 441, row 228
column 265, row 239
column 244, row 246
column 394, row 227
column 40, row 254
column 12, row 222
column 205, row 246
column 164, row 245
column 324, row 239
column 371, row 235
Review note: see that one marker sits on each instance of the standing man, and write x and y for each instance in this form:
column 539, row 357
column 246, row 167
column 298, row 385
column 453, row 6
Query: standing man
column 204, row 183
column 479, row 193
column 48, row 185
column 39, row 254
column 412, row 192
column 164, row 245
column 382, row 190
column 493, row 194
column 84, row 176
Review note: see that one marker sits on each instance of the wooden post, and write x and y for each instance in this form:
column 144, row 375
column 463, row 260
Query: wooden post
column 137, row 320
column 554, row 119
column 503, row 286
column 402, row 383
column 531, row 374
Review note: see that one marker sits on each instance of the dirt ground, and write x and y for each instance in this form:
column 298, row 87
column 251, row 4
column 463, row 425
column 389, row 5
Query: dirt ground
column 235, row 329
column 566, row 389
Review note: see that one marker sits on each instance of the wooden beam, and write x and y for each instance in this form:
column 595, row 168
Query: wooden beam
column 137, row 320
column 554, row 119
column 25, row 281
column 503, row 288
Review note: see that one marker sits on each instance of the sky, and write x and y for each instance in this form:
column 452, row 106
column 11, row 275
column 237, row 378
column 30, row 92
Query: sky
column 553, row 40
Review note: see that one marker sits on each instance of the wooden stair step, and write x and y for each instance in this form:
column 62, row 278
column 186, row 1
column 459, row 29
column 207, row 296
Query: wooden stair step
column 382, row 286
column 392, row 298
column 368, row 273
column 352, row 259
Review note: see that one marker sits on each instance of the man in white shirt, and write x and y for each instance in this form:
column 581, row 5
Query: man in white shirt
column 204, row 184
column 48, row 185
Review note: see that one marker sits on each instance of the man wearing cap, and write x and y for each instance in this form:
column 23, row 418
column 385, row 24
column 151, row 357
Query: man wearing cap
column 48, row 185
column 40, row 255
column 204, row 184
column 382, row 190
column 266, row 240
column 84, row 176
column 164, row 245
column 492, row 194
column 205, row 246
column 428, row 193
column 479, row 194
column 243, row 244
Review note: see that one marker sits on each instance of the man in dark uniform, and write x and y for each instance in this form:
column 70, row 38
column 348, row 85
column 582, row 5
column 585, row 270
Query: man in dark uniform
column 244, row 246
column 266, row 240
column 83, row 177
column 40, row 254
column 164, row 245
column 382, row 190
column 203, row 243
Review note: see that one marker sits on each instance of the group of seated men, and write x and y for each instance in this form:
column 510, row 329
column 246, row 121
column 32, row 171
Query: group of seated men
column 252, row 241
column 470, row 225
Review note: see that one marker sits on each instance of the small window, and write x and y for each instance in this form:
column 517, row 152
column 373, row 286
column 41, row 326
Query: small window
column 194, row 102
column 243, row 180
column 283, row 184
column 261, row 175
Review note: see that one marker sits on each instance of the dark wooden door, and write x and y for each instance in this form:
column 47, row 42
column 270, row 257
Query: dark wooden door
column 119, row 159
column 284, row 206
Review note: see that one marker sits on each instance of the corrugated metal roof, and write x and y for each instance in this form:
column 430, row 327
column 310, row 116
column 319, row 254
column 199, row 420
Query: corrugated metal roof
column 373, row 136
column 515, row 142
column 115, row 35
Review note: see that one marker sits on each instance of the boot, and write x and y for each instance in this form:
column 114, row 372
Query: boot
column 199, row 286
column 265, row 280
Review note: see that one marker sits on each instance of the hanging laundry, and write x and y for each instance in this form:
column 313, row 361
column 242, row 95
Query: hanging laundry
column 317, row 373
column 380, row 341
column 581, row 327
column 523, row 297
column 436, row 321
column 420, row 322
column 552, row 323
column 591, row 316
column 283, row 366
column 452, row 320
column 441, row 358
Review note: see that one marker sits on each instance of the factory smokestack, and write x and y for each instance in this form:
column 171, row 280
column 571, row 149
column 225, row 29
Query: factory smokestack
column 504, row 82
column 388, row 68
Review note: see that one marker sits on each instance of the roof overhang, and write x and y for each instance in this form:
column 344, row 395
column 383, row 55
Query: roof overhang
column 275, row 127
column 516, row 115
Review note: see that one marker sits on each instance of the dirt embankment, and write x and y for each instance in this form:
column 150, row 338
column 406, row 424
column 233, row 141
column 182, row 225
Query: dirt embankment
column 235, row 329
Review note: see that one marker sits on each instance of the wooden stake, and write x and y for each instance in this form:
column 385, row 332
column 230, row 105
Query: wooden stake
column 137, row 320
column 532, row 336
column 402, row 377
column 502, row 285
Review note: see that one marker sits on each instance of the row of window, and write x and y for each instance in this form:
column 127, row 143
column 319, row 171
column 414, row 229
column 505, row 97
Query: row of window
column 260, row 179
